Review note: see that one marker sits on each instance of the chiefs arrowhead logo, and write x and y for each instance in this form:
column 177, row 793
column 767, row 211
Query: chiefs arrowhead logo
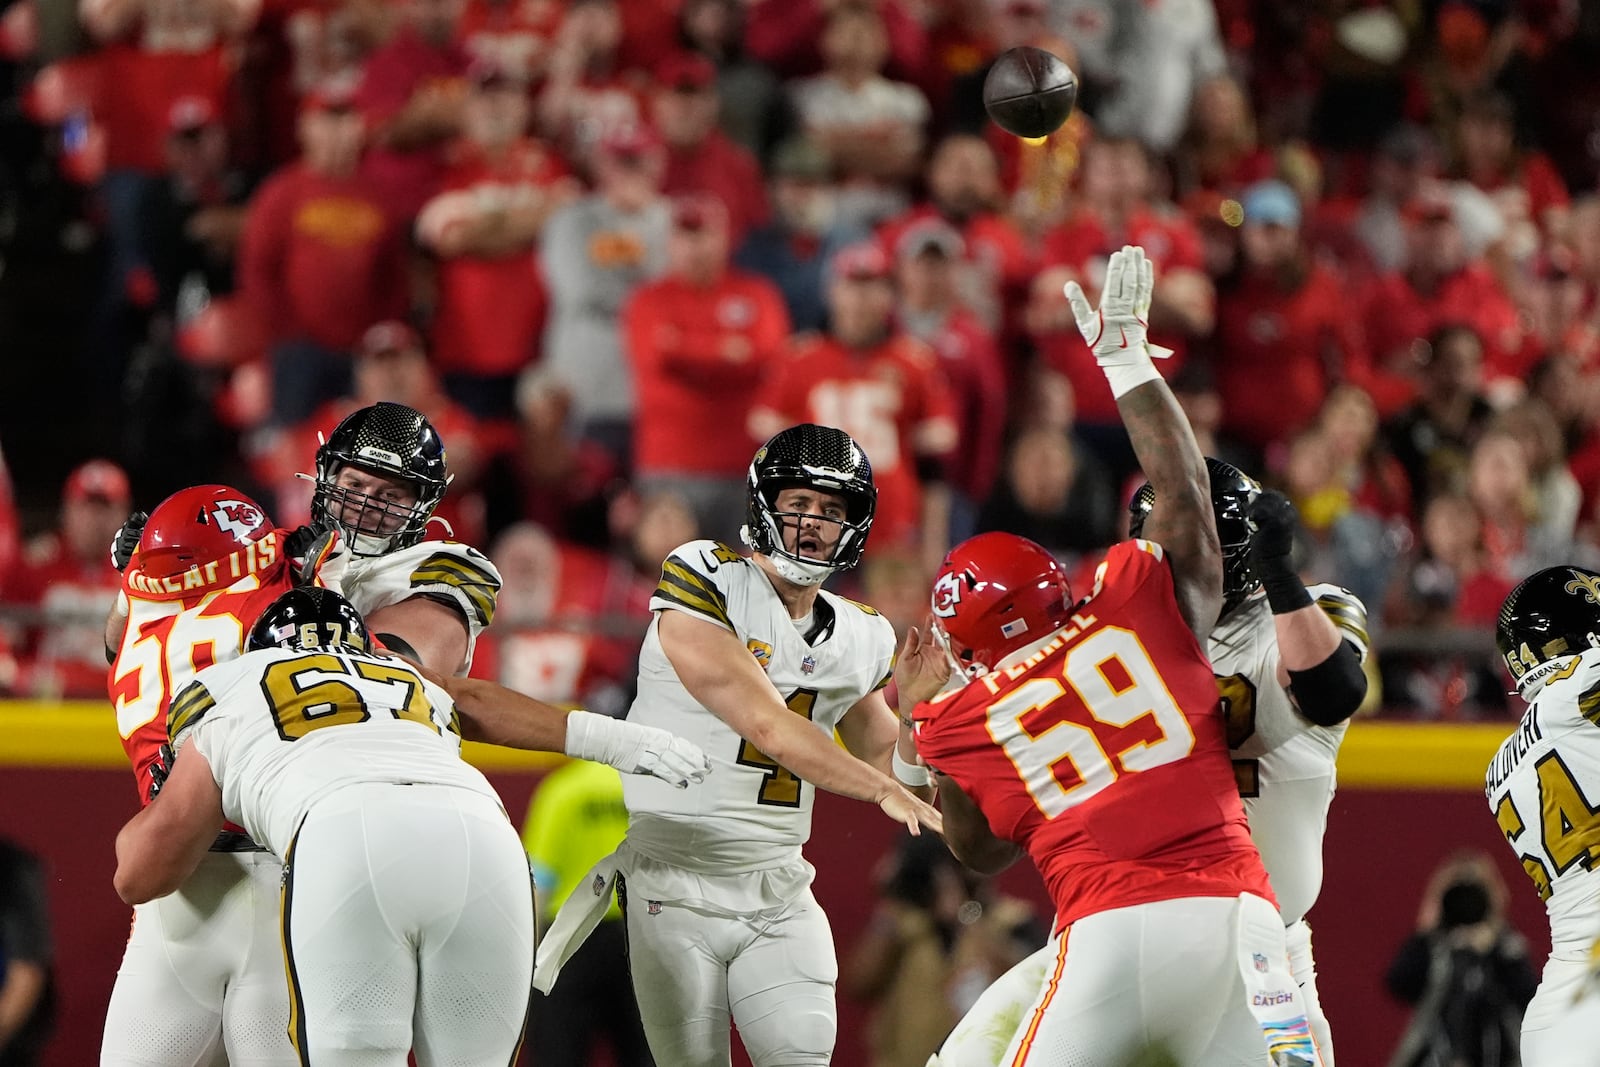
column 946, row 595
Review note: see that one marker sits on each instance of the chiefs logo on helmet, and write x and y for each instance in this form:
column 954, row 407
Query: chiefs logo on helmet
column 946, row 595
column 236, row 517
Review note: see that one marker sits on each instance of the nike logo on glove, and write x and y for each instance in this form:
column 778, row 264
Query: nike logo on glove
column 1124, row 335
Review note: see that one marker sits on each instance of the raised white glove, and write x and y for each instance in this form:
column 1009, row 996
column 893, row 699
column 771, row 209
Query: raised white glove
column 635, row 749
column 1118, row 333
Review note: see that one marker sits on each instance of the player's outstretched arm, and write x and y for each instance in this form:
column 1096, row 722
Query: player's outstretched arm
column 1321, row 668
column 160, row 847
column 489, row 712
column 967, row 832
column 1182, row 522
column 722, row 676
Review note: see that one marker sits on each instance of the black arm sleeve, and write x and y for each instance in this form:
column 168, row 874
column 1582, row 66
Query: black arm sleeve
column 1330, row 692
column 399, row 646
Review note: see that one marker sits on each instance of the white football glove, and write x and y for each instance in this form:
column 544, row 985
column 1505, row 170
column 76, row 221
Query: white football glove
column 635, row 749
column 1118, row 333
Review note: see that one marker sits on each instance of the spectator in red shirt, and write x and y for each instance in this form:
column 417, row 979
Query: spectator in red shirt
column 484, row 228
column 1285, row 334
column 390, row 364
column 413, row 92
column 1220, row 151
column 700, row 340
column 1439, row 284
column 882, row 387
column 588, row 94
column 68, row 579
column 321, row 259
column 929, row 254
column 1525, row 185
column 964, row 191
column 515, row 36
column 700, row 157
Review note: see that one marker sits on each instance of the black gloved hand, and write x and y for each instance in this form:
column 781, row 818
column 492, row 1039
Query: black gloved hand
column 160, row 769
column 127, row 539
column 1273, row 522
column 296, row 544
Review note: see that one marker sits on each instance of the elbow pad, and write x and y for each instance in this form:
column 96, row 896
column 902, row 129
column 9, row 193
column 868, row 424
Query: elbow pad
column 1330, row 692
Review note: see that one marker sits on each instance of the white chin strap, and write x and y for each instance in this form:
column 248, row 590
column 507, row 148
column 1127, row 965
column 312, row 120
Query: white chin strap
column 800, row 573
column 366, row 544
column 789, row 568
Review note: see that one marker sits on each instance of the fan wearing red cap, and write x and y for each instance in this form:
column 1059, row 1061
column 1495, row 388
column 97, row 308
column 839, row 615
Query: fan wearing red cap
column 484, row 226
column 699, row 342
column 66, row 576
column 881, row 386
column 701, row 158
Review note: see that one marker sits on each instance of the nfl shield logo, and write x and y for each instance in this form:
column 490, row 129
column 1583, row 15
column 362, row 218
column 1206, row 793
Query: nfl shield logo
column 1260, row 961
column 808, row 665
column 599, row 885
column 652, row 907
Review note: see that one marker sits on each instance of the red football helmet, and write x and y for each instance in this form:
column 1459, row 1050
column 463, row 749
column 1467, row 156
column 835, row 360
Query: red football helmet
column 197, row 526
column 996, row 593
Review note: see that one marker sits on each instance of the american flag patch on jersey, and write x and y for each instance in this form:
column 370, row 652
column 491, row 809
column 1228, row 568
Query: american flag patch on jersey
column 1014, row 627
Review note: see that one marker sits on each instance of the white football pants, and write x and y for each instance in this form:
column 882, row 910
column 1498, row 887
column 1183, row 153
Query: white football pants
column 203, row 973
column 407, row 923
column 1561, row 1022
column 774, row 974
column 1170, row 970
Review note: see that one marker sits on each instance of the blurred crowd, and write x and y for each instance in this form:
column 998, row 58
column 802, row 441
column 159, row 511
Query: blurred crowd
column 608, row 247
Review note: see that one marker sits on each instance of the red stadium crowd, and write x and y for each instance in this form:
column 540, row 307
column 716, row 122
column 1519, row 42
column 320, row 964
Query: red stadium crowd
column 609, row 246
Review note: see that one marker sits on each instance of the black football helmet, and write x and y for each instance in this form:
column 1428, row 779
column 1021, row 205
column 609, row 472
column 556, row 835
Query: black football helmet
column 818, row 457
column 1550, row 614
column 1232, row 493
column 310, row 618
column 389, row 439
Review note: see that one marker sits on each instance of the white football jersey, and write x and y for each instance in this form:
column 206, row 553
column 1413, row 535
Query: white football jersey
column 282, row 728
column 1285, row 764
column 748, row 805
column 1544, row 787
column 447, row 569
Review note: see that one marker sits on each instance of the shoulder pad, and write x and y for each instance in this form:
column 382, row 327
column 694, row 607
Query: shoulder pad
column 449, row 568
column 1346, row 611
column 690, row 581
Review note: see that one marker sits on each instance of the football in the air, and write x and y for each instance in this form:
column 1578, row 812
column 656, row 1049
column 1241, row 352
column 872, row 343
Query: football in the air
column 1029, row 92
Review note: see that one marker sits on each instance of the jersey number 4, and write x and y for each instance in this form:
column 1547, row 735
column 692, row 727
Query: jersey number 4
column 779, row 788
column 1567, row 825
column 1111, row 675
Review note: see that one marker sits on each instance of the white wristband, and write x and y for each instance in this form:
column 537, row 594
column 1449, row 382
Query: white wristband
column 591, row 737
column 1125, row 377
column 909, row 773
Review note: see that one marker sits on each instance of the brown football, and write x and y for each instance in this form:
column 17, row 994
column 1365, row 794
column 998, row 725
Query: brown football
column 1029, row 92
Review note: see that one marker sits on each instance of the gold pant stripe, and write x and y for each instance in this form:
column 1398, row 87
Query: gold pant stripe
column 297, row 1008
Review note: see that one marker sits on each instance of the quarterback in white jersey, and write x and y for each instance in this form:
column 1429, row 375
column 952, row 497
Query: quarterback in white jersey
column 1288, row 665
column 749, row 659
column 406, row 894
column 1543, row 787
